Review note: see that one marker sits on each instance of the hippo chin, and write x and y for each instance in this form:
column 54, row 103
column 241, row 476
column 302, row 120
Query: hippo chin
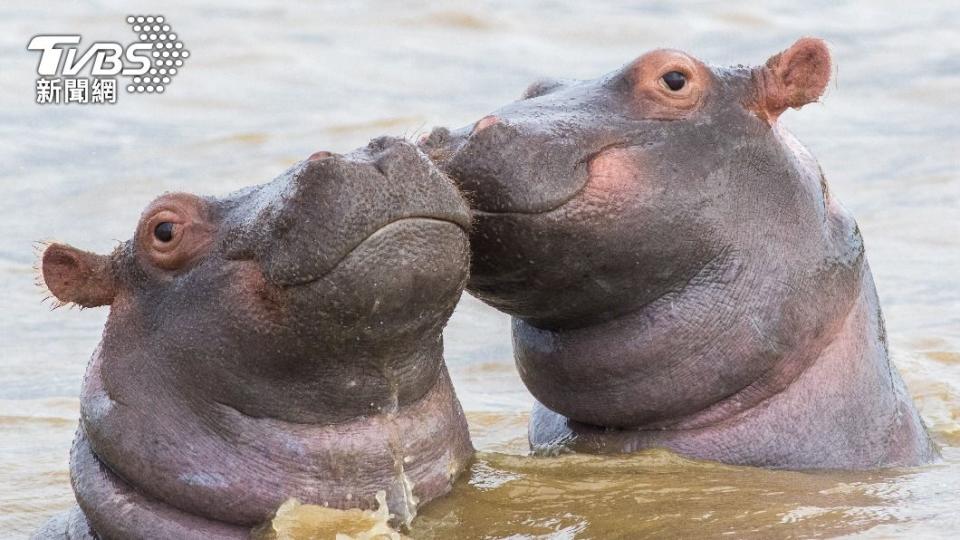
column 284, row 341
column 678, row 273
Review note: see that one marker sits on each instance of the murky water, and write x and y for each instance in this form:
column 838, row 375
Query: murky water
column 266, row 86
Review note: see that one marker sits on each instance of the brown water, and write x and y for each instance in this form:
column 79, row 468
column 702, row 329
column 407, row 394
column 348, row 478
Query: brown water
column 267, row 86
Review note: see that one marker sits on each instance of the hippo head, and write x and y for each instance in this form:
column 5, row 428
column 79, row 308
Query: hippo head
column 306, row 283
column 658, row 237
column 594, row 198
column 282, row 341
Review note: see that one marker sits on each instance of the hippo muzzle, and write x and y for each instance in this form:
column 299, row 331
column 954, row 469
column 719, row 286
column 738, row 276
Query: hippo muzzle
column 300, row 226
column 539, row 167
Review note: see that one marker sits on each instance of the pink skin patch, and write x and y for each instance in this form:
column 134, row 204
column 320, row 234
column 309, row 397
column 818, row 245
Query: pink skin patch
column 484, row 123
column 613, row 170
column 322, row 154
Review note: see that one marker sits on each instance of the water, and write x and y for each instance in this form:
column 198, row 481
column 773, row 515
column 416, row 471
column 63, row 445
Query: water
column 266, row 86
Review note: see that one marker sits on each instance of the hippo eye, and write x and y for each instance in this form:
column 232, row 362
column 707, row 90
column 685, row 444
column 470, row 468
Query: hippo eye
column 163, row 231
column 174, row 232
column 674, row 80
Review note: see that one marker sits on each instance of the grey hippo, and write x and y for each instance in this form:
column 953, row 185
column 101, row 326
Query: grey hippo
column 282, row 341
column 678, row 272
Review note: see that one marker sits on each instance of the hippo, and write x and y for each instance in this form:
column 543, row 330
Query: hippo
column 283, row 341
column 678, row 273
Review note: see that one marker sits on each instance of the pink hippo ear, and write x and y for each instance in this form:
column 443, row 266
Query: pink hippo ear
column 78, row 277
column 793, row 78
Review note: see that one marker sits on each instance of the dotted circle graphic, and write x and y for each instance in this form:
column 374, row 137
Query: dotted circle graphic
column 167, row 51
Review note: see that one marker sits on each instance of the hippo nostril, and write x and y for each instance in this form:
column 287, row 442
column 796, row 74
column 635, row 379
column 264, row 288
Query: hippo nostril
column 386, row 143
column 484, row 123
column 436, row 138
column 322, row 154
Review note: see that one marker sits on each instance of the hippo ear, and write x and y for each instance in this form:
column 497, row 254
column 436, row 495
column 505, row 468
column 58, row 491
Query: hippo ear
column 78, row 277
column 793, row 78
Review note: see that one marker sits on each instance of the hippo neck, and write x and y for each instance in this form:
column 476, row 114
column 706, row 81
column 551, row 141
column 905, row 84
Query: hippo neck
column 337, row 384
column 844, row 406
column 342, row 387
column 256, row 463
column 713, row 349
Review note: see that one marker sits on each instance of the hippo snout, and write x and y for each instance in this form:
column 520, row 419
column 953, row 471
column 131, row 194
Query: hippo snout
column 305, row 222
column 442, row 143
column 509, row 166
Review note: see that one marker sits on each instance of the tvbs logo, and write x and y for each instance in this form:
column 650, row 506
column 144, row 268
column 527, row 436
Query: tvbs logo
column 148, row 64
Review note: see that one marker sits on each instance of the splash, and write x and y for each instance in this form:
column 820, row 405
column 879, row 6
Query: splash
column 297, row 521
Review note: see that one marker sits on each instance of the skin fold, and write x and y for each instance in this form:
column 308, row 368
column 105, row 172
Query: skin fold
column 282, row 341
column 678, row 272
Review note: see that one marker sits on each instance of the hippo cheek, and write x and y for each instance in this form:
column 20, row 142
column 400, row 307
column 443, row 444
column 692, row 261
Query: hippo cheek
column 254, row 298
column 378, row 301
column 507, row 244
column 616, row 174
column 581, row 258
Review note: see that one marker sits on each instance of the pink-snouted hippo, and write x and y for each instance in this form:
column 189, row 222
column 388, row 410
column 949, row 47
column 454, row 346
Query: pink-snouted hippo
column 283, row 341
column 678, row 272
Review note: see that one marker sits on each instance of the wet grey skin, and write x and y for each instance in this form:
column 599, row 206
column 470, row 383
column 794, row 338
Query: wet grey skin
column 678, row 272
column 282, row 341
